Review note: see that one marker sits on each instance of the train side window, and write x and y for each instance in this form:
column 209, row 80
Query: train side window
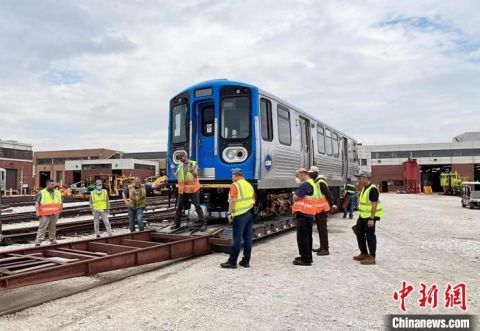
column 335, row 144
column 328, row 142
column 284, row 129
column 321, row 139
column 208, row 120
column 266, row 119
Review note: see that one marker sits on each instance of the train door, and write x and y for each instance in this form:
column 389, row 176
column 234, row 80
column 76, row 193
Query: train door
column 205, row 132
column 305, row 143
column 344, row 157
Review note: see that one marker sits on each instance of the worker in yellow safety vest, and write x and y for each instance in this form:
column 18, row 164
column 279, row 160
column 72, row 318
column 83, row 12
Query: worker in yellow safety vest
column 371, row 211
column 100, row 205
column 48, row 206
column 188, row 189
column 135, row 198
column 241, row 204
column 305, row 206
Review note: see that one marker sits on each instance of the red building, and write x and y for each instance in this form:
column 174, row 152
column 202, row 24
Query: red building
column 17, row 159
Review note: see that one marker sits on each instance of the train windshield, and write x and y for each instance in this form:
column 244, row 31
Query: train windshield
column 179, row 124
column 235, row 118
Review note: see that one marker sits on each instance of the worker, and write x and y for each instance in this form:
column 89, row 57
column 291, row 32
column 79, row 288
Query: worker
column 370, row 209
column 240, row 214
column 48, row 206
column 188, row 189
column 306, row 199
column 321, row 217
column 349, row 196
column 100, row 205
column 135, row 198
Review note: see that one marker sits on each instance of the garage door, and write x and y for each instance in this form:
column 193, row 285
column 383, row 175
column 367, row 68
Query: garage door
column 11, row 179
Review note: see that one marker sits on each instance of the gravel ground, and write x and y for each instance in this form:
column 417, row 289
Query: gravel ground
column 422, row 238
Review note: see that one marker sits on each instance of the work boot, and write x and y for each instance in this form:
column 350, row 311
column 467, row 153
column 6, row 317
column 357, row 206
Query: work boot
column 360, row 257
column 37, row 245
column 53, row 242
column 203, row 227
column 228, row 265
column 174, row 227
column 344, row 215
column 98, row 236
column 301, row 263
column 323, row 252
column 317, row 249
column 369, row 260
column 244, row 264
column 351, row 216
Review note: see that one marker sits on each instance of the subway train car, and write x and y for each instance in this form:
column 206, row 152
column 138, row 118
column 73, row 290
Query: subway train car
column 225, row 124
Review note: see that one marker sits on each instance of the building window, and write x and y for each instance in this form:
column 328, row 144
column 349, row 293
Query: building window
column 266, row 119
column 364, row 162
column 321, row 139
column 44, row 161
column 10, row 153
column 284, row 129
column 144, row 167
column 398, row 183
column 96, row 166
column 208, row 120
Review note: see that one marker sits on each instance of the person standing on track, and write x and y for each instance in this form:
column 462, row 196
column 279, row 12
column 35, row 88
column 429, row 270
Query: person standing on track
column 240, row 212
column 370, row 209
column 306, row 202
column 188, row 189
column 48, row 206
column 321, row 217
column 100, row 205
column 135, row 198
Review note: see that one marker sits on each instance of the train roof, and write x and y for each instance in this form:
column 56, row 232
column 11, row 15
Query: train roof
column 223, row 81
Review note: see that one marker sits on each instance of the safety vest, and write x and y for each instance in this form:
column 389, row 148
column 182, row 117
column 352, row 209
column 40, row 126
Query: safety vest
column 99, row 201
column 309, row 204
column 186, row 182
column 245, row 198
column 349, row 188
column 323, row 205
column 142, row 195
column 365, row 205
column 48, row 205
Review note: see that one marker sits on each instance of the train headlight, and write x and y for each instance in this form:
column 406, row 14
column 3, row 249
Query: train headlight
column 235, row 154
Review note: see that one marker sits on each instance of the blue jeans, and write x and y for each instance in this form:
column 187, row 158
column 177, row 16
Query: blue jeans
column 242, row 228
column 135, row 214
column 351, row 200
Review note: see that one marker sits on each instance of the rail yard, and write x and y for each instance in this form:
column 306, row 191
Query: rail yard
column 196, row 285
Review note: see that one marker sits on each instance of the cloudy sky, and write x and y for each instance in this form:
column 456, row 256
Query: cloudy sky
column 81, row 74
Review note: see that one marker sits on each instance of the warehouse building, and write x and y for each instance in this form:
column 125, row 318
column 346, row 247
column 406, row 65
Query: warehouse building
column 386, row 162
column 17, row 159
column 72, row 166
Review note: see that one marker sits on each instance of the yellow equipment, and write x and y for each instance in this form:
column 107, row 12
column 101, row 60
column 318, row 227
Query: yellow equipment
column 451, row 182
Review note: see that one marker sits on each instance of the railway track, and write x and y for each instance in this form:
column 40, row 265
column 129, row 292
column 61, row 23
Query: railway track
column 116, row 207
column 27, row 234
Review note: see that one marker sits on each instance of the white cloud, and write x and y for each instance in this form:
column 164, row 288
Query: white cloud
column 101, row 73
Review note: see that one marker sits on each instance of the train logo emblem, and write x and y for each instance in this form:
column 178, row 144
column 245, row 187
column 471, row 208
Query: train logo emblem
column 268, row 162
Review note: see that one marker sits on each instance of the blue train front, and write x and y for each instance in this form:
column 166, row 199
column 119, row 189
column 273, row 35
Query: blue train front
column 214, row 123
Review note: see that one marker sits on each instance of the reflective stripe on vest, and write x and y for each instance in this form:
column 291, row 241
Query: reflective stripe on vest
column 48, row 205
column 142, row 196
column 349, row 188
column 187, row 183
column 323, row 205
column 99, row 201
column 365, row 205
column 245, row 197
column 309, row 204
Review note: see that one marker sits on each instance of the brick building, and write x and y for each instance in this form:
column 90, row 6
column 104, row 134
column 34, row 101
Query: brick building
column 51, row 164
column 72, row 166
column 17, row 159
column 386, row 161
